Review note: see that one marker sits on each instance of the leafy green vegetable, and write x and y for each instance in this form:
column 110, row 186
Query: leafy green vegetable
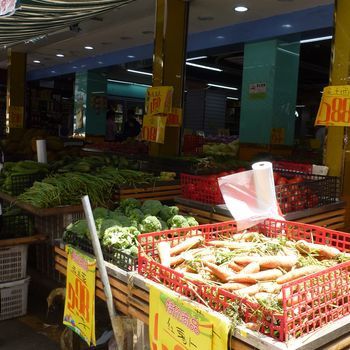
column 191, row 221
column 151, row 207
column 100, row 213
column 167, row 212
column 150, row 224
column 178, row 221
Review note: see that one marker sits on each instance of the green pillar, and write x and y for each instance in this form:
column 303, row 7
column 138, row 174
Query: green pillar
column 90, row 103
column 269, row 92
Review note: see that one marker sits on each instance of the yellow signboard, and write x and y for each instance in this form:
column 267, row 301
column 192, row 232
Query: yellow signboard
column 176, row 323
column 153, row 128
column 159, row 100
column 334, row 108
column 16, row 117
column 79, row 309
column 174, row 117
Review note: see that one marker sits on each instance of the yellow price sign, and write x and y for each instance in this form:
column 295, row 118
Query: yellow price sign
column 176, row 323
column 159, row 100
column 334, row 108
column 153, row 128
column 79, row 309
column 174, row 117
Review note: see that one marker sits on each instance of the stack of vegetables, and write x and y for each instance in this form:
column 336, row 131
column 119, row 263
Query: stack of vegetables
column 15, row 177
column 118, row 229
column 68, row 188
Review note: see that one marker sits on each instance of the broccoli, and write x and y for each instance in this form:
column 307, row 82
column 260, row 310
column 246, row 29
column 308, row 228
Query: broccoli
column 150, row 224
column 122, row 220
column 103, row 224
column 79, row 228
column 135, row 216
column 151, row 207
column 167, row 212
column 192, row 221
column 178, row 221
column 130, row 203
column 164, row 224
column 117, row 237
column 100, row 213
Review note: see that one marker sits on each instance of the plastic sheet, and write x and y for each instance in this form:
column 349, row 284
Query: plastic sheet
column 250, row 195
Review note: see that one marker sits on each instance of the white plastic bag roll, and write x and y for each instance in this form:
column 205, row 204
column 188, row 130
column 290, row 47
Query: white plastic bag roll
column 41, row 151
column 264, row 185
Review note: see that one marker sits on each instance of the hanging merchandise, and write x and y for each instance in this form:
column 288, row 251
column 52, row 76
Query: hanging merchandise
column 79, row 309
column 250, row 196
column 334, row 108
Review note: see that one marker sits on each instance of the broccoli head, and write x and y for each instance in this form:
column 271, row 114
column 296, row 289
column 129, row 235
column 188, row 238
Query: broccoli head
column 79, row 228
column 150, row 224
column 192, row 221
column 129, row 203
column 100, row 213
column 151, row 207
column 117, row 237
column 164, row 224
column 103, row 224
column 178, row 221
column 135, row 216
column 167, row 212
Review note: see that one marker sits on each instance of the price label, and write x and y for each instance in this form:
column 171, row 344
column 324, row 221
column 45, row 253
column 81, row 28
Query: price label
column 334, row 108
column 178, row 324
column 175, row 117
column 79, row 310
column 153, row 128
column 159, row 100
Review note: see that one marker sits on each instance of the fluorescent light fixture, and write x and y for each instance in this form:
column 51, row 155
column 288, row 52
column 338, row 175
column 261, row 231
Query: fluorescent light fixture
column 222, row 86
column 232, row 98
column 312, row 40
column 59, row 54
column 300, row 106
column 127, row 82
column 88, row 48
column 139, row 72
column 131, row 56
column 203, row 67
column 287, row 25
column 36, row 61
column 100, row 62
column 196, row 58
column 220, row 37
column 241, row 9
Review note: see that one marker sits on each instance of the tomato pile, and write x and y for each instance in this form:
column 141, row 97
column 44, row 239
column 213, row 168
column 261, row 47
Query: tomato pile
column 293, row 194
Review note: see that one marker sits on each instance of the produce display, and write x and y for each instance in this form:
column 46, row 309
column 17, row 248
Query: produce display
column 15, row 177
column 221, row 149
column 274, row 276
column 118, row 229
column 126, row 147
column 68, row 188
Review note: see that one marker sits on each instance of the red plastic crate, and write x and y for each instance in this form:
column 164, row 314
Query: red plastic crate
column 296, row 167
column 193, row 144
column 201, row 188
column 308, row 303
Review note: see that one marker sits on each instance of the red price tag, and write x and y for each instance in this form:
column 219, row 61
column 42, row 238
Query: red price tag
column 149, row 133
column 337, row 110
column 78, row 299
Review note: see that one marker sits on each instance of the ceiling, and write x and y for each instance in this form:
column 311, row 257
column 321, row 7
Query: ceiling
column 127, row 26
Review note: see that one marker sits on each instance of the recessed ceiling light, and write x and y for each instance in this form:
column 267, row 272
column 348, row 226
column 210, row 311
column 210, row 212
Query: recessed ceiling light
column 59, row 54
column 241, row 9
column 205, row 18
column 88, row 48
column 36, row 61
column 53, row 71
column 220, row 37
column 100, row 62
column 131, row 56
column 287, row 25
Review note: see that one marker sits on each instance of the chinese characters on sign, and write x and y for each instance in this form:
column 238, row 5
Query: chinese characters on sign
column 174, row 117
column 159, row 100
column 79, row 310
column 257, row 90
column 334, row 108
column 153, row 128
column 178, row 324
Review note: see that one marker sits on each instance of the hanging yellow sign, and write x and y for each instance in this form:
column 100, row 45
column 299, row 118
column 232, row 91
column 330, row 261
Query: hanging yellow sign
column 334, row 108
column 176, row 323
column 159, row 100
column 79, row 309
column 174, row 117
column 153, row 128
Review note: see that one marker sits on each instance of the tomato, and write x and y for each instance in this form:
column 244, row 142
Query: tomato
column 299, row 205
column 286, row 207
column 313, row 200
column 276, row 176
column 282, row 181
column 296, row 180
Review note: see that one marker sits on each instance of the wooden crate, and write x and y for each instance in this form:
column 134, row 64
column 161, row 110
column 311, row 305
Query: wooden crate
column 162, row 191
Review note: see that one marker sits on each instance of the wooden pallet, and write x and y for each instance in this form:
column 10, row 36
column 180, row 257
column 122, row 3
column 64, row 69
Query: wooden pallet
column 162, row 191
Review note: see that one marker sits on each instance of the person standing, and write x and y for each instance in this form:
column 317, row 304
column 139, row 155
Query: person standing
column 111, row 128
column 132, row 127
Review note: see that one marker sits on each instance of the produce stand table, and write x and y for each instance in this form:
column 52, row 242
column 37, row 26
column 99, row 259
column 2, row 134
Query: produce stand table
column 131, row 297
column 331, row 216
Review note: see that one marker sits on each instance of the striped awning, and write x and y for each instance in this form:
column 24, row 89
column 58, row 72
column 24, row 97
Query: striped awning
column 34, row 19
